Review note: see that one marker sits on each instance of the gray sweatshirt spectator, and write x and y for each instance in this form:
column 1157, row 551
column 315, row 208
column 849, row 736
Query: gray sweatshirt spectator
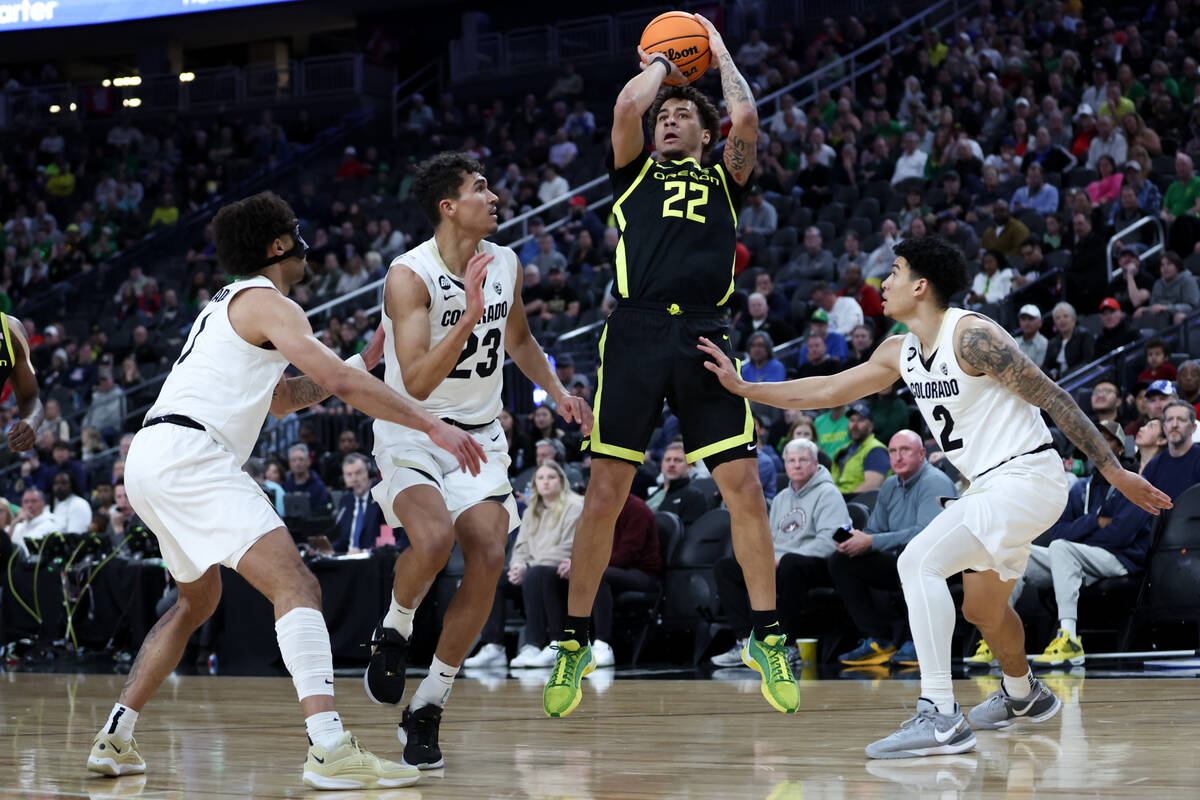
column 803, row 522
column 1180, row 293
column 107, row 411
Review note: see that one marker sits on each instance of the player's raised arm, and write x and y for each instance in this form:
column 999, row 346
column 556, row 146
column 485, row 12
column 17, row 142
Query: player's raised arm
column 635, row 99
column 981, row 345
column 283, row 323
column 741, row 146
column 527, row 354
column 407, row 302
column 24, row 382
column 880, row 372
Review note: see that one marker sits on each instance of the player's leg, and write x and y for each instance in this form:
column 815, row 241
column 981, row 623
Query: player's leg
column 945, row 547
column 272, row 565
column 421, row 508
column 113, row 750
column 986, row 605
column 590, row 553
column 481, row 531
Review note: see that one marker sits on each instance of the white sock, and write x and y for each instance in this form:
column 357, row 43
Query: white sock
column 121, row 721
column 1021, row 686
column 399, row 618
column 324, row 728
column 1068, row 625
column 304, row 644
column 435, row 689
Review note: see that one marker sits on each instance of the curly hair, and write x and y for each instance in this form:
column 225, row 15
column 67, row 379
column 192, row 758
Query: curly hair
column 244, row 229
column 710, row 118
column 439, row 178
column 937, row 261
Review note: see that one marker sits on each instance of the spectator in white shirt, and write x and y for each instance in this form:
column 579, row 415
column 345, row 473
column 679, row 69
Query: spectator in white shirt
column 71, row 512
column 124, row 136
column 52, row 143
column 844, row 312
column 821, row 153
column 553, row 185
column 911, row 163
column 563, row 151
column 753, row 52
column 34, row 520
column 992, row 283
column 1107, row 142
column 879, row 262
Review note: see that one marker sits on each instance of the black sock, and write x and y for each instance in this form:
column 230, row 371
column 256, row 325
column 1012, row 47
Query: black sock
column 765, row 623
column 577, row 628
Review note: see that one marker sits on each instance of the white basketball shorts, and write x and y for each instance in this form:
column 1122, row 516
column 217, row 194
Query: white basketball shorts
column 1007, row 508
column 410, row 458
column 192, row 493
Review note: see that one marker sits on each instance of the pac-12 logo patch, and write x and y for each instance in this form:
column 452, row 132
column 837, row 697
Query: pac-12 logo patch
column 499, row 289
column 945, row 369
column 444, row 283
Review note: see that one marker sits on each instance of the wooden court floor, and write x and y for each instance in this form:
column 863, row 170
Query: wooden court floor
column 231, row 737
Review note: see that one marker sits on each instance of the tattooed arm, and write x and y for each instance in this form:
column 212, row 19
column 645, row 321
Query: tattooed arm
column 741, row 146
column 984, row 349
column 293, row 394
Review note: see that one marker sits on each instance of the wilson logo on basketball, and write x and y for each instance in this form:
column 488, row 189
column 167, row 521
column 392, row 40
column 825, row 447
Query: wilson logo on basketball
column 675, row 55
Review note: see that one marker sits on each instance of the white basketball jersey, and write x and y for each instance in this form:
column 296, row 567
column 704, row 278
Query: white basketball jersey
column 977, row 421
column 470, row 394
column 220, row 380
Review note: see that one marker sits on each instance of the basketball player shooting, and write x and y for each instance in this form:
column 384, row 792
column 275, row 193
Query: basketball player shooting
column 980, row 396
column 674, row 275
column 451, row 309
column 185, row 481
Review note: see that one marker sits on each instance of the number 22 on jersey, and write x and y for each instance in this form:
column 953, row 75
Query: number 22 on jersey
column 695, row 195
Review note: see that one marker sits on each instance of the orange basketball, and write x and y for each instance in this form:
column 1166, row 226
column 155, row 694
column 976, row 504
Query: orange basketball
column 680, row 38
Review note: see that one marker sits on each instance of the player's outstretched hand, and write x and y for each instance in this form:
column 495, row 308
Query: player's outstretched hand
column 576, row 409
column 373, row 352
column 722, row 367
column 648, row 57
column 715, row 43
column 473, row 279
column 1140, row 491
column 459, row 444
column 21, row 437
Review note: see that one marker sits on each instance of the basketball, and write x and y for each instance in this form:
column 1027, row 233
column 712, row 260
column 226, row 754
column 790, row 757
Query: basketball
column 683, row 40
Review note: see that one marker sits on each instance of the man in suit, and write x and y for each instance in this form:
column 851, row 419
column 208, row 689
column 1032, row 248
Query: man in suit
column 359, row 516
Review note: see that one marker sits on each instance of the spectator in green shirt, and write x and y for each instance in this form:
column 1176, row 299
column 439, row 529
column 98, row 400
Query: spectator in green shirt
column 1181, row 205
column 833, row 430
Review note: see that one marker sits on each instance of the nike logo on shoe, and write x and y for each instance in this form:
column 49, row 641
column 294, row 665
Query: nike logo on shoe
column 115, row 749
column 1020, row 712
column 944, row 736
column 318, row 760
column 444, row 675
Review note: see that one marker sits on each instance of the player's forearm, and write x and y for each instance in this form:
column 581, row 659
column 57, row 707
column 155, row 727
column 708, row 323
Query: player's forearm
column 1075, row 425
column 638, row 94
column 376, row 399
column 739, row 99
column 304, row 391
column 31, row 411
column 426, row 372
column 532, row 362
column 802, row 393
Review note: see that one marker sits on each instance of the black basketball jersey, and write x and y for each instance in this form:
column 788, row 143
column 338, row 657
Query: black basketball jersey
column 7, row 356
column 678, row 223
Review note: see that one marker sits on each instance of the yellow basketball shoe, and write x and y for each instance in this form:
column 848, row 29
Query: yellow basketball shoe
column 1065, row 649
column 351, row 766
column 983, row 657
column 769, row 659
column 113, row 756
column 563, row 692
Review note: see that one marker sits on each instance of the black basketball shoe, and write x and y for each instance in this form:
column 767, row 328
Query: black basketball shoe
column 384, row 678
column 418, row 731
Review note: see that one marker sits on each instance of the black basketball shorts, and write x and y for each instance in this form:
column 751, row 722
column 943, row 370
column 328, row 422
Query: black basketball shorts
column 648, row 356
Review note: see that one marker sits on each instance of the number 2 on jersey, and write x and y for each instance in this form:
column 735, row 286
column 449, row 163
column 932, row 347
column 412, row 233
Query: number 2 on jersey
column 680, row 189
column 942, row 414
column 491, row 343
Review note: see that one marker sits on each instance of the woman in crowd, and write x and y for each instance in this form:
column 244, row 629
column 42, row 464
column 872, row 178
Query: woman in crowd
column 1071, row 345
column 1149, row 440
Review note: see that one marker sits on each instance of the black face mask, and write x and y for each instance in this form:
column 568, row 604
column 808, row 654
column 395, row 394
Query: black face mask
column 299, row 249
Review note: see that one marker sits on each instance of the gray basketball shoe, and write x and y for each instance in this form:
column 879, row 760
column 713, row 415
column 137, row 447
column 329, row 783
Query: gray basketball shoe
column 926, row 733
column 1000, row 710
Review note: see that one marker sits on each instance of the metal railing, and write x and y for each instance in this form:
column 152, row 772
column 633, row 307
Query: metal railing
column 402, row 91
column 199, row 90
column 1128, row 357
column 1159, row 247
